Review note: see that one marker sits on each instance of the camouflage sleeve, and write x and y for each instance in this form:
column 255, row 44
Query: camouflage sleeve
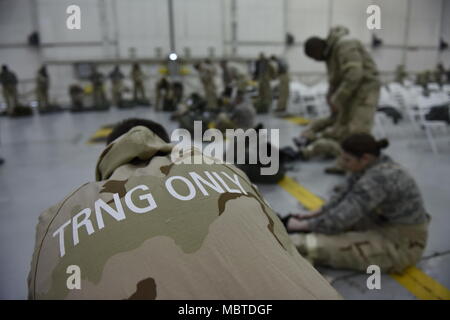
column 351, row 66
column 366, row 194
column 321, row 123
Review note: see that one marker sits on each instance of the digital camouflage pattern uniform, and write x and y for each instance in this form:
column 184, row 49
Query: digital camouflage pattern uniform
column 9, row 88
column 377, row 217
column 265, row 73
column 207, row 74
column 354, row 89
column 98, row 91
column 76, row 96
column 217, row 245
column 318, row 132
column 138, row 84
column 283, row 88
column 116, row 77
column 42, row 85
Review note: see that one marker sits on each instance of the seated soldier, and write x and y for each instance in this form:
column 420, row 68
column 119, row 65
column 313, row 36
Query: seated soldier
column 150, row 228
column 376, row 218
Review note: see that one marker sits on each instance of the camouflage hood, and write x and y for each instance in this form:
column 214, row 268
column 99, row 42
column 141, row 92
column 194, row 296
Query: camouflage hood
column 336, row 33
column 138, row 143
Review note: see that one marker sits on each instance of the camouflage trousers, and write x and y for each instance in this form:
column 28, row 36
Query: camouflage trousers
column 138, row 91
column 357, row 117
column 117, row 93
column 158, row 99
column 99, row 96
column 10, row 96
column 210, row 96
column 392, row 248
column 283, row 93
column 265, row 96
column 42, row 97
column 322, row 147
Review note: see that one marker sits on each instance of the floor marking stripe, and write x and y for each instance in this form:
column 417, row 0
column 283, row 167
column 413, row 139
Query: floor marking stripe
column 421, row 285
column 413, row 279
column 100, row 134
column 298, row 120
column 308, row 199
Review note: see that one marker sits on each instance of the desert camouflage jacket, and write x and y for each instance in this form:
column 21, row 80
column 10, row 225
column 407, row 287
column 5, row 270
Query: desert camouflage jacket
column 150, row 228
column 349, row 66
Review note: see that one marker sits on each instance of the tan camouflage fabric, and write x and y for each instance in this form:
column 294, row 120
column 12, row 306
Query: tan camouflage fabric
column 8, row 80
column 133, row 239
column 354, row 88
column 283, row 97
column 207, row 74
column 392, row 248
column 42, row 85
column 265, row 75
column 138, row 84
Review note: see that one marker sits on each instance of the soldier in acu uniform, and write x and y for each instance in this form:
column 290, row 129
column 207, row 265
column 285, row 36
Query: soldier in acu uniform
column 207, row 74
column 377, row 217
column 354, row 87
column 42, row 85
column 98, row 90
column 9, row 81
column 283, row 84
column 264, row 73
column 116, row 77
column 155, row 228
column 138, row 81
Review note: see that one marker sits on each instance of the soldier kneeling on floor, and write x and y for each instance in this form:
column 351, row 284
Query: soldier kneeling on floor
column 376, row 218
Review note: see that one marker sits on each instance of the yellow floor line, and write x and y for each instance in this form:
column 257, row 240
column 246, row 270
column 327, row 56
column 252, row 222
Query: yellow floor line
column 308, row 199
column 413, row 279
column 421, row 285
column 99, row 134
column 298, row 120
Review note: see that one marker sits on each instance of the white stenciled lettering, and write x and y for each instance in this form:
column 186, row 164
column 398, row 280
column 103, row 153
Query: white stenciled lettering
column 235, row 180
column 224, row 184
column 60, row 232
column 170, row 188
column 117, row 214
column 212, row 183
column 85, row 222
column 147, row 196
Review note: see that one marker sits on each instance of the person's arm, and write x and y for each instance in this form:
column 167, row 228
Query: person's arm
column 351, row 64
column 366, row 195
